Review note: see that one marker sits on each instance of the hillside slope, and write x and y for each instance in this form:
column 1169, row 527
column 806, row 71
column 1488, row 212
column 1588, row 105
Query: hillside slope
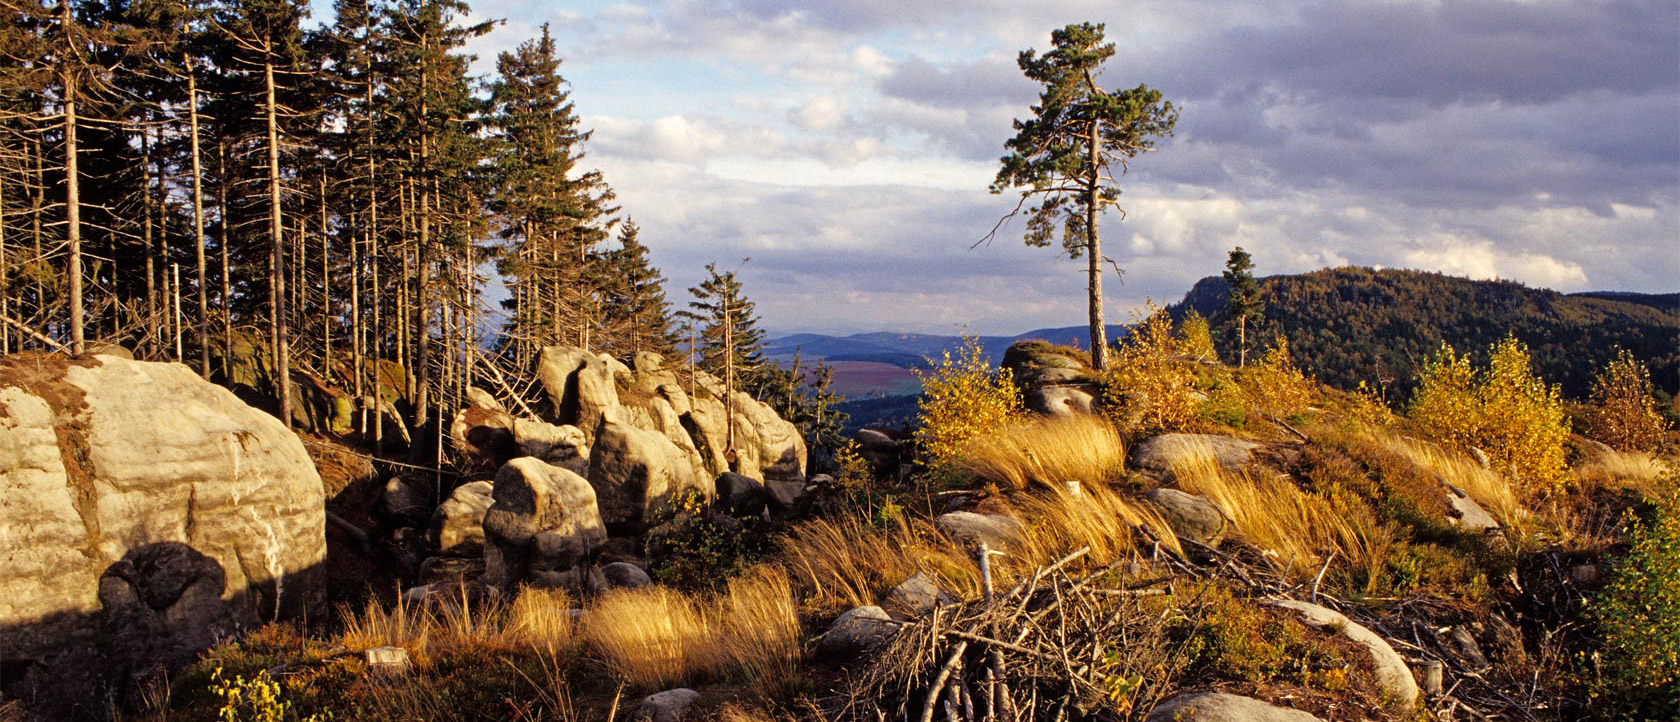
column 1348, row 325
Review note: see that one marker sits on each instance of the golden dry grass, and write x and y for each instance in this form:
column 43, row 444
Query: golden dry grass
column 845, row 562
column 655, row 636
column 1047, row 451
column 1487, row 488
column 1302, row 529
column 377, row 626
column 543, row 619
column 1624, row 467
column 1098, row 517
column 759, row 623
column 651, row 637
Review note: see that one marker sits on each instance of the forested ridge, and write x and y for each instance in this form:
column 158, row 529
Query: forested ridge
column 277, row 203
column 1351, row 325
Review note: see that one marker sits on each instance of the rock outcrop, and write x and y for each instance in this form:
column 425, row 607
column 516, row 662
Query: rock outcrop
column 1055, row 381
column 1391, row 671
column 543, row 524
column 146, row 512
column 1223, row 707
column 1191, row 517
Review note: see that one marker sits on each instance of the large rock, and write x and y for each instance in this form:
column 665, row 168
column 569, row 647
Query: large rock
column 1060, row 400
column 1165, row 452
column 562, row 446
column 1464, row 512
column 482, row 430
column 635, row 472
column 581, row 386
column 740, row 496
column 543, row 518
column 1391, row 671
column 969, row 529
column 917, row 596
column 146, row 512
column 1191, row 517
column 458, row 524
column 1222, row 707
column 668, row 706
column 767, row 447
column 859, row 631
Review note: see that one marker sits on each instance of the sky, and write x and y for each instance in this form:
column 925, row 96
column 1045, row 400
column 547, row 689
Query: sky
column 846, row 146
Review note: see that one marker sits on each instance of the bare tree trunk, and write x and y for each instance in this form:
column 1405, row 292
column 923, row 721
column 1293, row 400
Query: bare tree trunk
column 1093, row 251
column 282, row 352
column 227, row 274
column 146, row 234
column 326, row 284
column 198, row 223
column 1242, row 340
column 73, row 208
column 175, row 274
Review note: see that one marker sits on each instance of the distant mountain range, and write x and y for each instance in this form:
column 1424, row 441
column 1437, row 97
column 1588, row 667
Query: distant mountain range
column 912, row 350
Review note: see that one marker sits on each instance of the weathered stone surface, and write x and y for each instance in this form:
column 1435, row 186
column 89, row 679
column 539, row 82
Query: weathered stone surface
column 563, row 446
column 1391, row 671
column 740, row 496
column 624, row 575
column 971, row 529
column 543, row 517
column 451, row 569
column 580, row 386
column 883, row 453
column 785, row 495
column 140, row 493
column 857, row 632
column 481, row 430
column 1191, row 517
column 458, row 524
column 917, row 596
column 669, row 706
column 1162, row 453
column 482, row 399
column 401, row 500
column 1465, row 512
column 1222, row 707
column 767, row 447
column 636, row 472
column 1060, row 400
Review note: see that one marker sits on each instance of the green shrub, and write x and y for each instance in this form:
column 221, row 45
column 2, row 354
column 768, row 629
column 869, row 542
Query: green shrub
column 1638, row 616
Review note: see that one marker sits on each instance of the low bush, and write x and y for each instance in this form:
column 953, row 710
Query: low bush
column 963, row 396
column 1638, row 616
column 1148, row 388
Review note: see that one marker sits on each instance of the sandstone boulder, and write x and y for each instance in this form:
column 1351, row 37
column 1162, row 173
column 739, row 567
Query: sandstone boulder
column 1391, row 671
column 859, row 631
column 969, row 529
column 563, row 446
column 581, row 387
column 458, row 524
column 1191, row 517
column 1223, row 707
column 740, row 496
column 543, row 517
column 146, row 512
column 668, row 706
column 1162, row 453
column 1060, row 400
column 1464, row 512
column 624, row 575
column 917, row 596
column 635, row 472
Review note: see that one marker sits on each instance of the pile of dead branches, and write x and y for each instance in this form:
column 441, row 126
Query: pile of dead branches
column 1058, row 646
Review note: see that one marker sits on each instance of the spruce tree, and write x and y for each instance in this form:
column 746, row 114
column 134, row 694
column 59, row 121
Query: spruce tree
column 1244, row 300
column 636, row 316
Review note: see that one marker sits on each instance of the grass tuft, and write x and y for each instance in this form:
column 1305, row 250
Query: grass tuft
column 1048, row 452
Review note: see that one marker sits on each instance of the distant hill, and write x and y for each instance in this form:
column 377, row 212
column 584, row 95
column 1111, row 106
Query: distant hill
column 1347, row 325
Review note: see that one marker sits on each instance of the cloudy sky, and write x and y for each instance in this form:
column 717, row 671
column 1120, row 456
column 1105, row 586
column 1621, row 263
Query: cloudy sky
column 845, row 146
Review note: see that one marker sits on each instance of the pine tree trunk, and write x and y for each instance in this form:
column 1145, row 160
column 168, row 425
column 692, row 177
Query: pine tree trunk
column 146, row 234
column 198, row 224
column 227, row 274
column 277, row 277
column 326, row 284
column 1093, row 251
column 1242, row 340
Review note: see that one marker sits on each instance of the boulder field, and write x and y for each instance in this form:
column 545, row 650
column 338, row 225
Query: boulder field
column 144, row 513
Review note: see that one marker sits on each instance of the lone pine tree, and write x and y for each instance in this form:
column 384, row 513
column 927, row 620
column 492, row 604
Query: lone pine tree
column 1062, row 157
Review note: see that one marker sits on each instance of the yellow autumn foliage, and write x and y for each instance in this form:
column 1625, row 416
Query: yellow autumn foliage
column 1147, row 387
column 1195, row 339
column 1504, row 410
column 1275, row 388
column 1623, row 414
column 963, row 396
